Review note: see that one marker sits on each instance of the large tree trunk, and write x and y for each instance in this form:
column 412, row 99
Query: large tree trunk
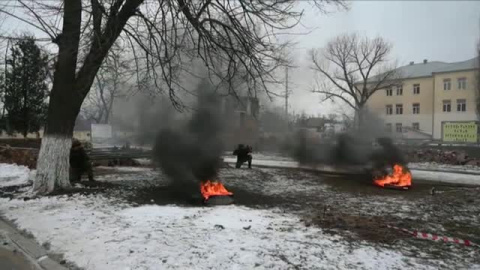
column 70, row 89
column 53, row 164
column 53, row 160
column 65, row 101
column 360, row 118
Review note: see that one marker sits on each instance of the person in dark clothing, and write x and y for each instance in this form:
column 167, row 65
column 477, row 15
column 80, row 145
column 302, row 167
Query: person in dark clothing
column 79, row 163
column 244, row 154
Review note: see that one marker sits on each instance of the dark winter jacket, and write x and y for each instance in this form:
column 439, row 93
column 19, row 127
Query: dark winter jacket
column 78, row 157
column 242, row 153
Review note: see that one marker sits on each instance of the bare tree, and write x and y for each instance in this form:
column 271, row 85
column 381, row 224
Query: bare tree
column 352, row 69
column 164, row 36
column 112, row 81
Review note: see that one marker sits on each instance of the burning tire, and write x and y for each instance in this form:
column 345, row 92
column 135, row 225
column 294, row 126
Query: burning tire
column 214, row 193
column 399, row 178
column 219, row 200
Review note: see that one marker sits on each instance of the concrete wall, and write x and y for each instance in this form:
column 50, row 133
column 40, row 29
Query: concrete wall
column 378, row 102
column 453, row 94
column 4, row 135
column 81, row 135
column 430, row 98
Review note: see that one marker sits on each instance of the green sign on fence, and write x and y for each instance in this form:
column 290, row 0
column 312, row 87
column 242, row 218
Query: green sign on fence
column 460, row 132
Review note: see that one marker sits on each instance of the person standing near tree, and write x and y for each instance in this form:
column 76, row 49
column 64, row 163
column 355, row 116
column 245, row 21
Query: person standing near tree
column 79, row 163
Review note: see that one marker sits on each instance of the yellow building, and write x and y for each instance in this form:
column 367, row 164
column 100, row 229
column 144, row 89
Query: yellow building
column 430, row 93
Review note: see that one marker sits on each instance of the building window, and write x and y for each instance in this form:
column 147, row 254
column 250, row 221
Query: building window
column 389, row 91
column 462, row 83
column 399, row 109
column 447, row 84
column 389, row 109
column 416, row 89
column 447, row 106
column 398, row 127
column 461, row 105
column 416, row 126
column 416, row 108
column 399, row 90
column 388, row 127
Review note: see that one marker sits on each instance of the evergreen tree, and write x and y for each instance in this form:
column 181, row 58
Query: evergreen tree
column 25, row 87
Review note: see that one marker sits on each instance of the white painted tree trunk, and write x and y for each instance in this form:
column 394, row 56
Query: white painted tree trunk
column 53, row 164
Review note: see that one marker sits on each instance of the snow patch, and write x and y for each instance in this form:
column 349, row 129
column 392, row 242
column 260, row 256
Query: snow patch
column 266, row 163
column 436, row 175
column 96, row 233
column 126, row 169
column 445, row 167
column 14, row 175
column 446, row 177
column 143, row 161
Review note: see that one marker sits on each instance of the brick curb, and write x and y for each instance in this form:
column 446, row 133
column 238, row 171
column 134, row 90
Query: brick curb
column 35, row 253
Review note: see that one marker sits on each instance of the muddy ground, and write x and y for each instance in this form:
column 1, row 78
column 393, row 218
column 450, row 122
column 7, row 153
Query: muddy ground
column 351, row 207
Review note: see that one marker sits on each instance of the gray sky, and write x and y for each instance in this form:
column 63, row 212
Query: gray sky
column 434, row 30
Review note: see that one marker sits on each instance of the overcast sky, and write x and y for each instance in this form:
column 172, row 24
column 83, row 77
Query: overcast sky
column 434, row 30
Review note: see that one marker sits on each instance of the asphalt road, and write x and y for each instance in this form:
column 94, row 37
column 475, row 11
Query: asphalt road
column 13, row 260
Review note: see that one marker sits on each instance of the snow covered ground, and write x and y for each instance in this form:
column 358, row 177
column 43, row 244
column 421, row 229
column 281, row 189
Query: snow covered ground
column 446, row 177
column 448, row 174
column 432, row 166
column 96, row 233
column 124, row 169
column 13, row 175
column 106, row 231
column 264, row 156
column 268, row 158
column 267, row 162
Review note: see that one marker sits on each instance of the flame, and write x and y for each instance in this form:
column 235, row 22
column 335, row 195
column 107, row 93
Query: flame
column 212, row 188
column 400, row 177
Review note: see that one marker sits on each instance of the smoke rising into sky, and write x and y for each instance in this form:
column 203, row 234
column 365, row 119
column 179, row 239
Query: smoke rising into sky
column 190, row 152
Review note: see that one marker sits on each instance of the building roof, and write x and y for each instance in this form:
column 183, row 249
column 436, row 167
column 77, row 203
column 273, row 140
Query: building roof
column 421, row 69
column 458, row 66
column 429, row 68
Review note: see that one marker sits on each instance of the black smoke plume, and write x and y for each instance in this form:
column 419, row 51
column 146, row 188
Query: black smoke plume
column 192, row 152
column 367, row 145
column 343, row 149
